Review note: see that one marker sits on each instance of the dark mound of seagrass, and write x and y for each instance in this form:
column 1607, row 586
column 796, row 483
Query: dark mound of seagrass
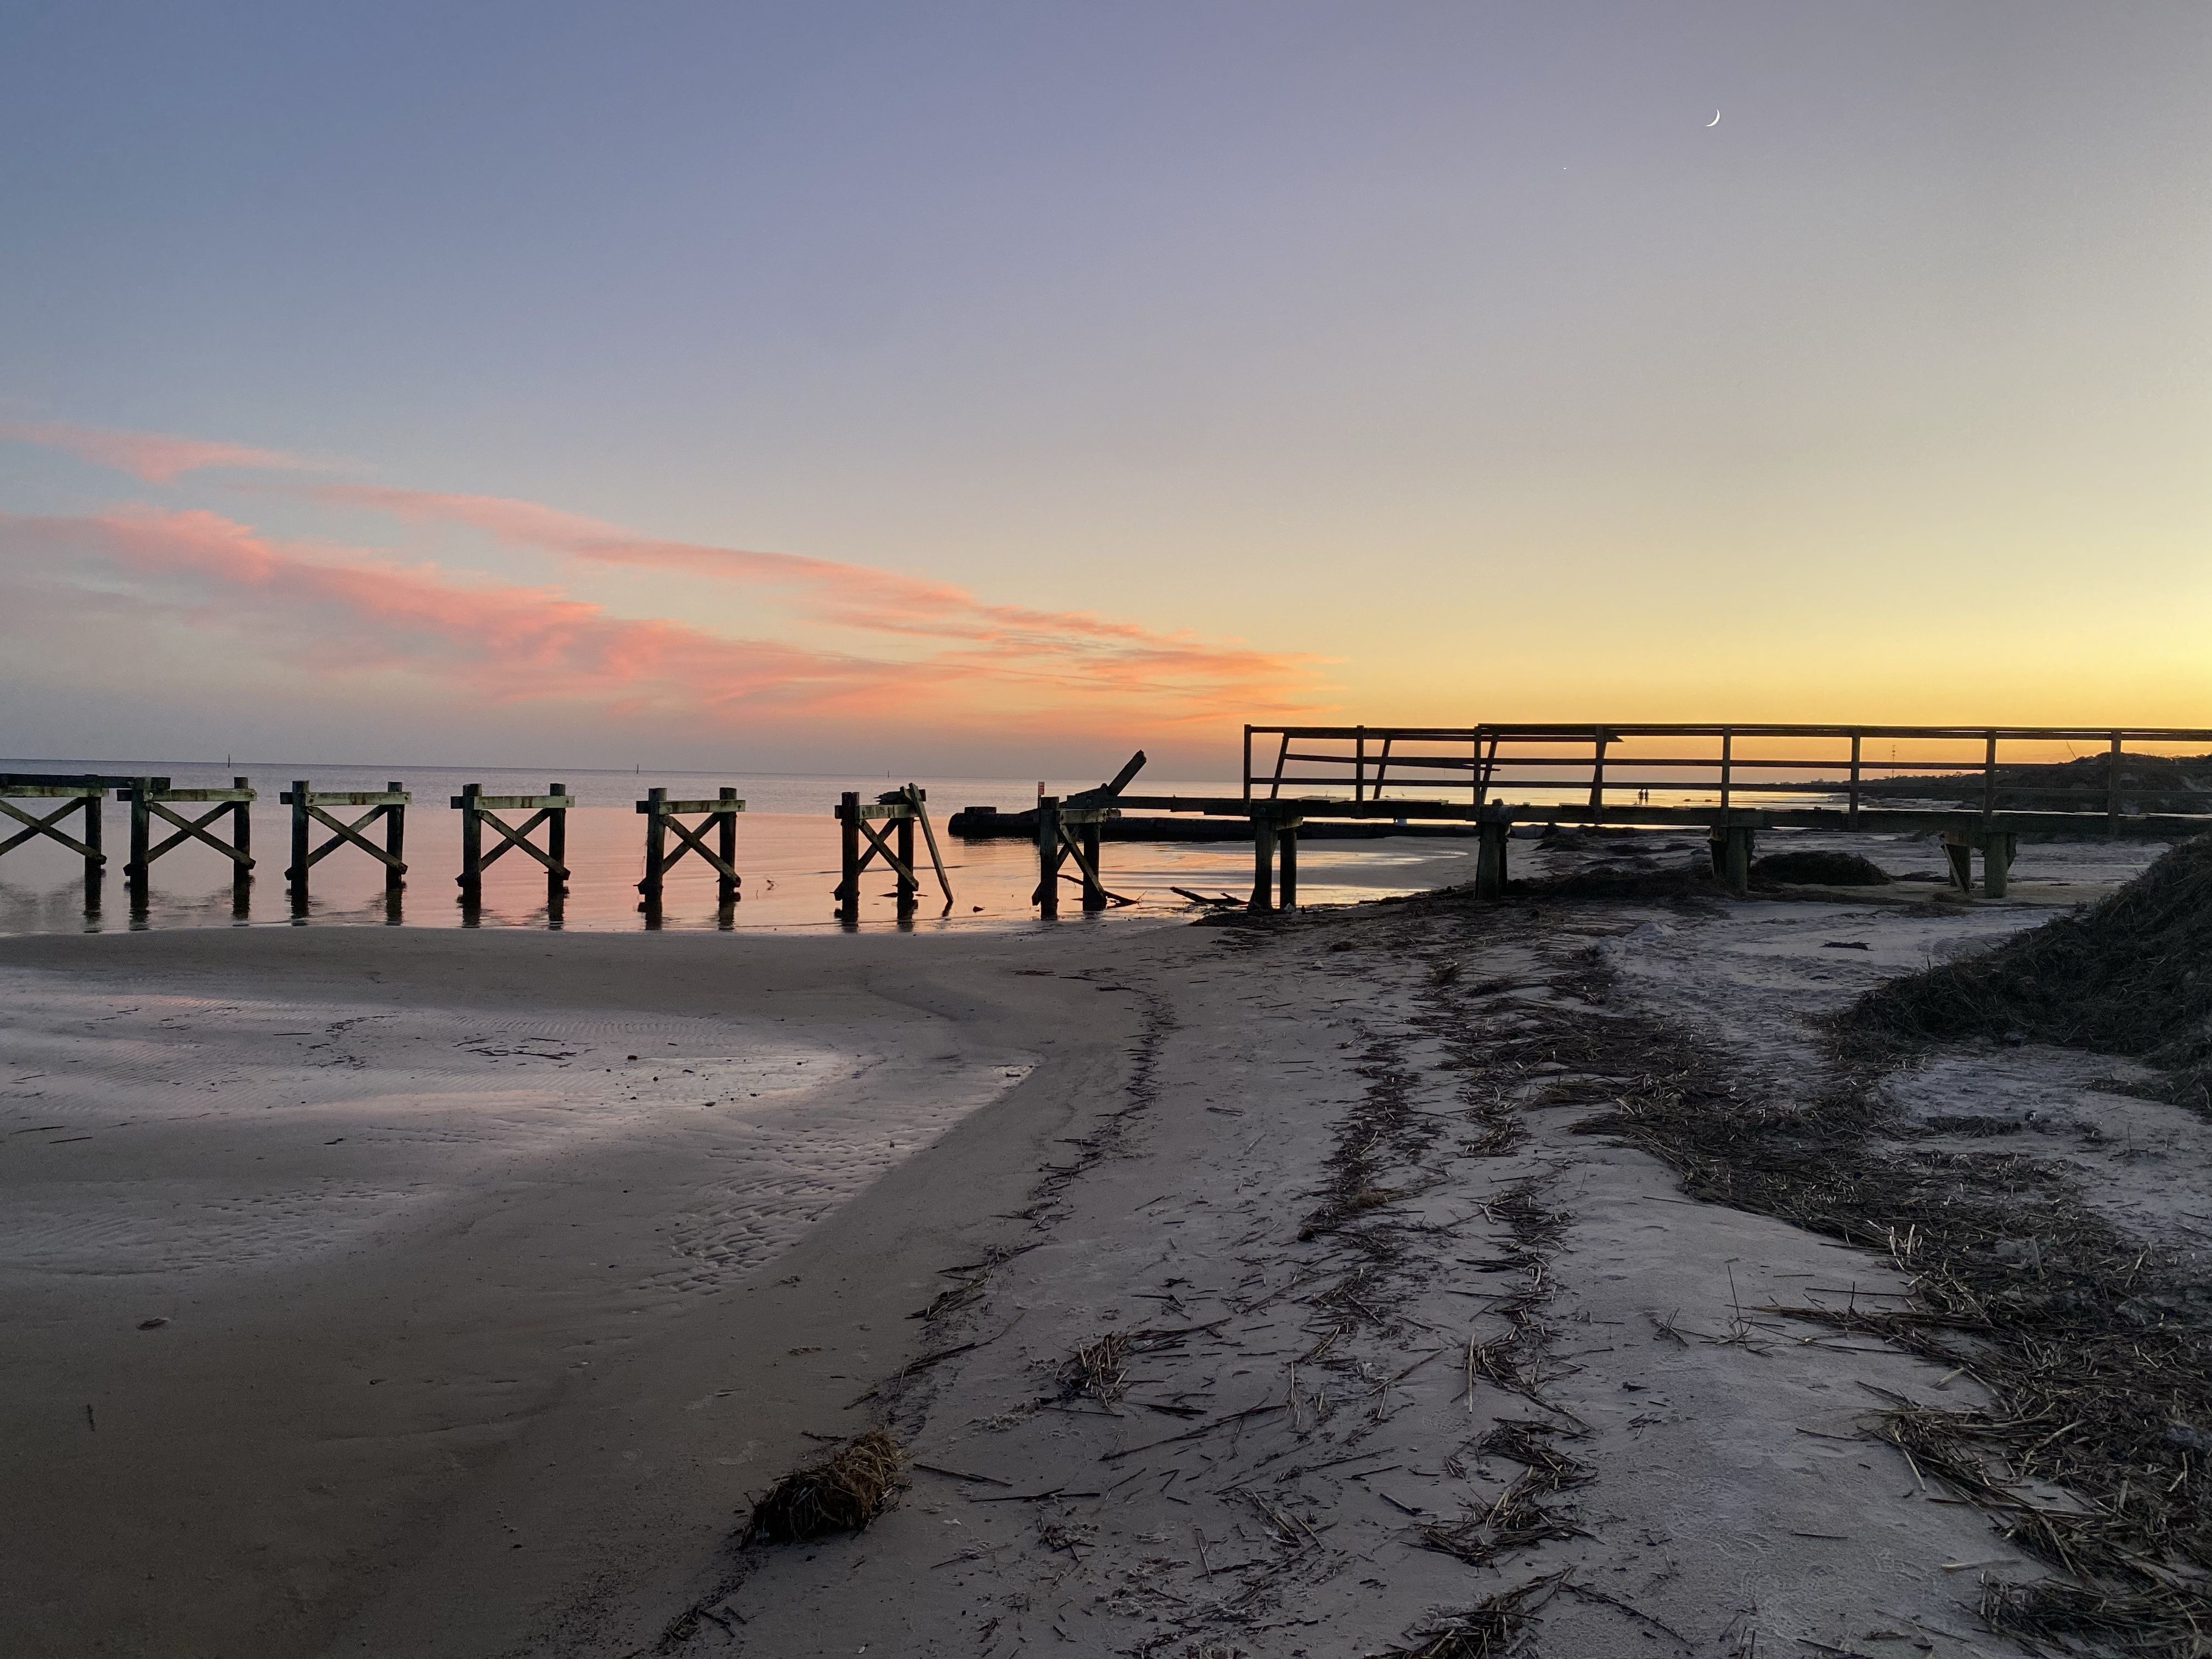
column 2130, row 975
column 841, row 1493
column 1819, row 869
column 1679, row 881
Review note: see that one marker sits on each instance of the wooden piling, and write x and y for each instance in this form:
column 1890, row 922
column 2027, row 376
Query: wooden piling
column 907, row 886
column 138, row 871
column 1492, row 836
column 1094, row 884
column 1287, row 847
column 296, row 877
column 395, row 841
column 1047, row 810
column 849, row 887
column 656, row 845
column 472, row 877
column 726, row 843
column 241, row 837
column 1263, row 863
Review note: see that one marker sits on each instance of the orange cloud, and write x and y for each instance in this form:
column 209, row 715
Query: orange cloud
column 347, row 611
column 154, row 456
column 848, row 595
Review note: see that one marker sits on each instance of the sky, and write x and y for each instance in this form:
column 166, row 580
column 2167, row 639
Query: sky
column 985, row 388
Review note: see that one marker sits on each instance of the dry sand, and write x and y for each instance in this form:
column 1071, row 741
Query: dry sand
column 480, row 1335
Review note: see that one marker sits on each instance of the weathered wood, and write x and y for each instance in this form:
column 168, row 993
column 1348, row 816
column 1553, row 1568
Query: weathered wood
column 664, row 817
column 1493, row 834
column 308, row 804
column 1286, row 859
column 907, row 887
column 1046, row 899
column 1263, row 862
column 45, row 826
column 848, row 884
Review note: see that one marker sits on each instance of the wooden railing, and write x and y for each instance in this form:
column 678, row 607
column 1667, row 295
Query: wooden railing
column 1664, row 764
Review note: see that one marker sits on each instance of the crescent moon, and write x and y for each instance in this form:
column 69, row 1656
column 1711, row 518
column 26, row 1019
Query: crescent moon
column 1716, row 121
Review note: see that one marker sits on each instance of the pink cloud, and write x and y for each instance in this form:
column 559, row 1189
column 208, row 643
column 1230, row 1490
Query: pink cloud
column 862, row 597
column 340, row 612
column 154, row 456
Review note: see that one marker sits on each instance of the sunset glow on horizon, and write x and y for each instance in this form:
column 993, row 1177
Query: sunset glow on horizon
column 999, row 390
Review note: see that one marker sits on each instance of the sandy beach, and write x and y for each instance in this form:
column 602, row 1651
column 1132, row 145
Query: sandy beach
column 1238, row 1289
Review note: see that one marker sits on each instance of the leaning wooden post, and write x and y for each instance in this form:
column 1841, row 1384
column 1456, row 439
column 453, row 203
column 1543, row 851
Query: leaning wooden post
column 241, row 837
column 395, row 840
column 1094, row 884
column 1492, row 835
column 1047, row 811
column 848, row 890
column 1263, row 862
column 297, row 875
column 139, row 872
column 1287, row 844
column 726, row 886
column 908, row 888
column 472, row 877
column 656, row 845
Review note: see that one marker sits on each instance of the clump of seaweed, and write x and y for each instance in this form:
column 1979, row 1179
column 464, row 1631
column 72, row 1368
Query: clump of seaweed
column 843, row 1492
column 1820, row 869
column 1488, row 1630
column 2130, row 975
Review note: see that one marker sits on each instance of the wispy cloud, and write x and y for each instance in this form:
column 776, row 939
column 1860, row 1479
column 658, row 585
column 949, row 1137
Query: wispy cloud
column 872, row 601
column 338, row 611
column 156, row 457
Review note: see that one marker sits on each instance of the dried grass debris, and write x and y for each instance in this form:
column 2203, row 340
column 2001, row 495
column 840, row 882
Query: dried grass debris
column 843, row 1492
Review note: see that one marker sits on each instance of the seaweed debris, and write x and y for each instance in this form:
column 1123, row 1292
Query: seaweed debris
column 843, row 1492
column 1823, row 869
column 2130, row 975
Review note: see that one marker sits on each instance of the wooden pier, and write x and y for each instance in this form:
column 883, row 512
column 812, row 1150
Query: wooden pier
column 900, row 811
column 665, row 817
column 1736, row 782
column 480, row 812
column 309, row 808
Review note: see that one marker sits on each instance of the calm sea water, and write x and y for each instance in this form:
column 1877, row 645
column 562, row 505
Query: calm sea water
column 787, row 849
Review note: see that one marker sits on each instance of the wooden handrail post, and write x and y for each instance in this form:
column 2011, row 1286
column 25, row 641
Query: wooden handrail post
column 1854, row 807
column 1728, row 747
column 1360, row 764
column 1989, row 785
column 2112, row 790
column 1248, row 762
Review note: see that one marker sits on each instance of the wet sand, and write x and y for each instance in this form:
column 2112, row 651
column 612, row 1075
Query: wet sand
column 505, row 1387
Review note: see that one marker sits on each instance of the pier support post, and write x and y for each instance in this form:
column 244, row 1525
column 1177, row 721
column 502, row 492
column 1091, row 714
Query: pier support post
column 1287, row 847
column 1263, row 862
column 1733, row 846
column 472, row 876
column 395, row 842
column 906, row 886
column 725, row 881
column 1094, row 884
column 95, row 862
column 296, row 875
column 1997, row 863
column 557, row 848
column 1492, row 836
column 1047, row 811
column 656, row 846
column 848, row 843
column 138, row 871
column 241, row 837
